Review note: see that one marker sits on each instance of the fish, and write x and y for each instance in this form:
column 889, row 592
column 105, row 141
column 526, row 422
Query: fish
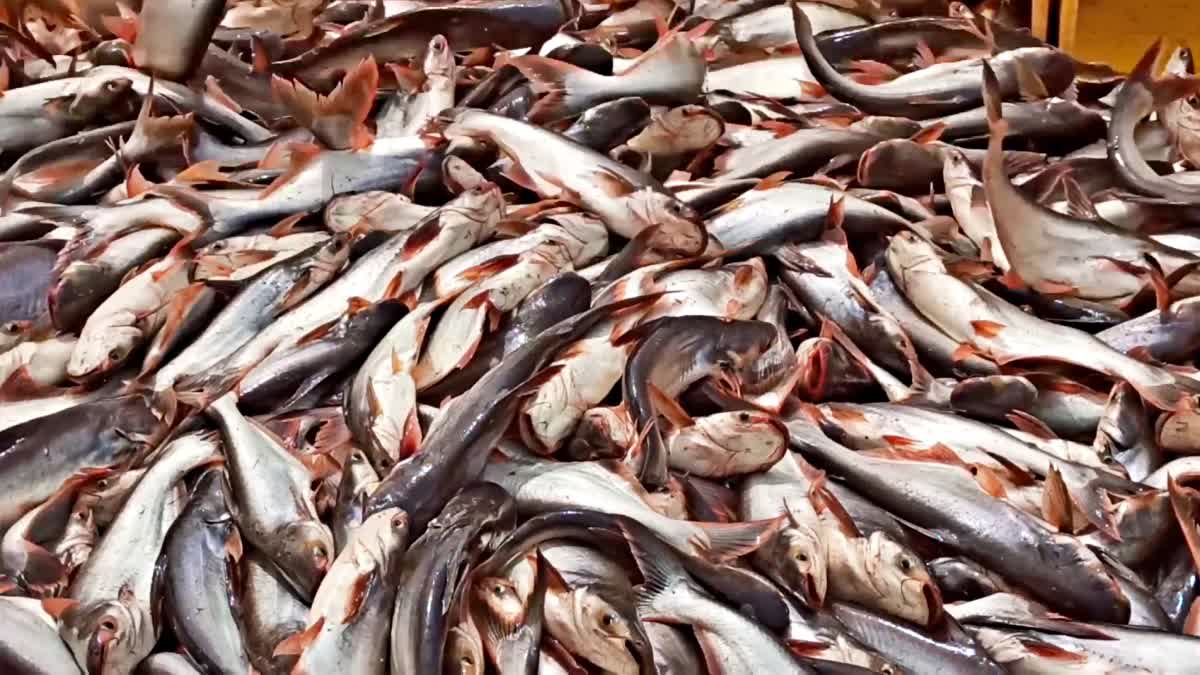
column 288, row 530
column 433, row 575
column 201, row 554
column 701, row 347
column 271, row 612
column 111, row 626
column 108, row 432
column 627, row 201
column 349, row 619
column 25, row 276
column 914, row 649
column 471, row 424
column 31, row 643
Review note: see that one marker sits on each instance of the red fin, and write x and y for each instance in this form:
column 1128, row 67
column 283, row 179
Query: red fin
column 1046, row 650
column 925, row 56
column 317, row 333
column 1031, row 425
column 300, row 156
column 202, row 172
column 963, row 352
column 612, row 184
column 726, row 541
column 296, row 643
column 56, row 607
column 420, row 238
column 125, row 25
column 491, row 267
column 669, row 408
column 806, row 649
column 4, row 78
column 357, row 304
column 823, row 500
column 774, row 180
column 1051, row 287
column 285, row 226
column 1013, row 281
column 930, row 133
column 1056, row 502
column 135, row 183
column 213, row 88
column 987, row 329
column 989, row 482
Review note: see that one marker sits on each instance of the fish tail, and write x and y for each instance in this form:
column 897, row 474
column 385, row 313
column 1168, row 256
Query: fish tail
column 662, row 570
column 725, row 541
column 563, row 85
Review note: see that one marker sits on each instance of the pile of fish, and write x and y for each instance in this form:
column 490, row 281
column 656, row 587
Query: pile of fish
column 525, row 336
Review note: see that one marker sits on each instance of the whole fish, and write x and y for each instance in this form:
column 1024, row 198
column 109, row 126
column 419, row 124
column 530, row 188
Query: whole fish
column 349, row 620
column 46, row 111
column 113, row 626
column 556, row 168
column 314, row 364
column 950, row 646
column 991, row 327
column 264, row 297
column 201, row 553
column 947, row 499
column 236, row 259
column 699, row 347
column 941, row 89
column 433, row 574
column 454, row 451
column 260, row 471
column 36, row 457
column 726, row 636
column 728, row 444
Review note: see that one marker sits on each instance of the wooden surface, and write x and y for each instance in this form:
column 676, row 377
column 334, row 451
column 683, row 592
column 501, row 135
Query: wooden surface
column 1118, row 32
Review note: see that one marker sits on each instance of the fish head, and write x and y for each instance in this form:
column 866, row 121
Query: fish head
column 906, row 588
column 501, row 598
column 748, row 433
column 304, row 552
column 598, row 629
column 739, row 346
column 98, row 96
column 108, row 637
column 956, row 170
column 798, row 559
column 464, row 651
column 102, row 353
column 748, row 287
column 482, row 206
column 907, row 253
column 679, row 226
column 13, row 333
column 439, row 59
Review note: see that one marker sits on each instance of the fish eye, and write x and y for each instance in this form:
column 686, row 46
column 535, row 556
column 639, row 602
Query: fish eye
column 115, row 354
column 743, row 417
column 498, row 589
column 802, row 556
column 906, row 564
column 608, row 619
column 725, row 364
column 468, row 660
column 12, row 327
column 109, row 625
column 112, row 85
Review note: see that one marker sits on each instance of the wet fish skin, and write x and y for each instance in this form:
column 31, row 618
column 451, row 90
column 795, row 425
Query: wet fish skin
column 433, row 574
column 358, row 480
column 102, row 433
column 114, row 626
column 26, row 273
column 699, row 347
column 607, row 125
column 261, row 472
column 271, row 612
column 201, row 554
column 455, row 448
column 911, row 648
column 30, row 643
column 1170, row 340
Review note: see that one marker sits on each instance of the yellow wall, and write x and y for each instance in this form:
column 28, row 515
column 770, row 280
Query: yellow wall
column 1118, row 32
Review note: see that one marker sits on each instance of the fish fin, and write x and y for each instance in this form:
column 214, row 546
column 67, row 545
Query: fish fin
column 804, row 648
column 490, row 267
column 1158, row 281
column 1079, row 204
column 725, row 541
column 963, row 352
column 125, row 24
column 531, row 385
column 1052, row 287
column 299, row 157
column 135, row 183
column 612, row 184
column 1184, row 505
column 356, row 304
column 774, row 180
column 298, row 642
column 925, row 56
column 998, row 127
column 824, row 501
column 987, row 329
column 286, row 226
column 1191, row 623
column 635, row 334
column 660, row 567
column 1017, row 475
column 317, row 333
column 41, row 567
column 519, row 176
column 929, row 134
column 206, row 171
column 1031, row 425
column 1056, row 503
column 260, row 56
column 875, row 71
column 1013, row 281
column 555, row 80
column 1045, row 650
column 1029, row 83
column 411, row 442
column 421, row 237
column 351, row 101
column 213, row 89
column 668, row 407
column 555, row 583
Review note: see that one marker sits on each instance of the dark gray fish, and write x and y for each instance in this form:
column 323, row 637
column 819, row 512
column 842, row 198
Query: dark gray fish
column 941, row 89
column 605, row 126
column 964, row 579
column 1125, row 433
column 1171, row 338
column 674, row 353
column 556, row 300
column 26, row 274
column 1177, row 585
column 29, row 643
column 174, row 35
column 38, row 456
column 946, row 502
column 947, row 648
column 433, row 575
column 200, row 558
column 1052, row 122
column 895, row 41
column 314, row 364
column 455, row 450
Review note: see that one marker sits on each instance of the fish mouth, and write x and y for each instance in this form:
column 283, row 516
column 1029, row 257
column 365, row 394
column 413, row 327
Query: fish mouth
column 810, row 591
column 933, row 603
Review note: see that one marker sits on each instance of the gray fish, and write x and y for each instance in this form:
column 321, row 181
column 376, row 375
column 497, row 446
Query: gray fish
column 271, row 612
column 30, row 642
column 434, row 573
column 174, row 35
column 1048, row 121
column 455, row 450
column 941, row 89
column 609, row 124
column 698, row 347
column 915, row 649
column 1170, row 336
column 274, row 493
column 26, row 273
column 114, row 625
column 36, row 457
column 200, row 555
